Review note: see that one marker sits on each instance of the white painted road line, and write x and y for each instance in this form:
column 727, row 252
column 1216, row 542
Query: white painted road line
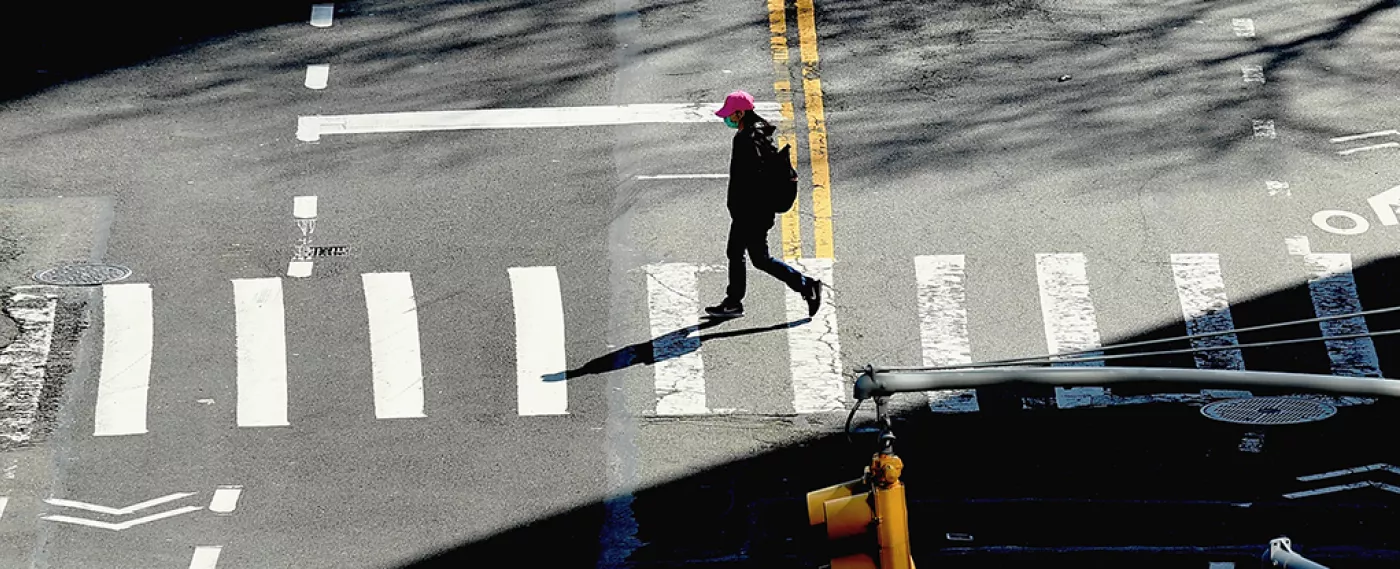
column 1349, row 471
column 1333, row 293
column 117, row 511
column 1201, row 290
column 943, row 324
column 317, row 75
column 1068, row 316
column 817, row 384
column 304, row 207
column 300, row 269
column 1343, row 488
column 304, row 212
column 673, row 302
column 539, row 341
column 205, row 557
column 1252, row 442
column 322, row 14
column 1369, row 148
column 262, row 352
column 4, row 501
column 124, row 525
column 1298, row 245
column 1352, row 137
column 1244, row 27
column 225, row 499
column 23, row 363
column 310, row 128
column 682, row 176
column 394, row 348
column 1264, row 129
column 128, row 333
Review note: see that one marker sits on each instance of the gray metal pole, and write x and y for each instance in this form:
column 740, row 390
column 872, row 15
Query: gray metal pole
column 1281, row 555
column 875, row 382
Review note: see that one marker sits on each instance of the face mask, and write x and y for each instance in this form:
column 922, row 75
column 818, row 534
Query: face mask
column 730, row 122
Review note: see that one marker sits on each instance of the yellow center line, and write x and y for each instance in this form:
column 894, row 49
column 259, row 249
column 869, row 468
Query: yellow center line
column 816, row 130
column 782, row 84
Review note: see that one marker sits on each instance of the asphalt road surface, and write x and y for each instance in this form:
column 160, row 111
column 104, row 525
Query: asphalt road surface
column 419, row 284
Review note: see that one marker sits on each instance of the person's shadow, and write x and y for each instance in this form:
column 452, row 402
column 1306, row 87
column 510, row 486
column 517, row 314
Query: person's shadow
column 668, row 346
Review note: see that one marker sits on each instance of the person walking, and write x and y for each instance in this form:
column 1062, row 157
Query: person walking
column 750, row 215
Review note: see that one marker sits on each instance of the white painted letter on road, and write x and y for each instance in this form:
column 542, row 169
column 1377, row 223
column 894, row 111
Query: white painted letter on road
column 1323, row 221
column 1384, row 205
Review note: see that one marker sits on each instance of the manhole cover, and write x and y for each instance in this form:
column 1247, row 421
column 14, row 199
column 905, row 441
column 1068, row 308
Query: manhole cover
column 1268, row 411
column 82, row 274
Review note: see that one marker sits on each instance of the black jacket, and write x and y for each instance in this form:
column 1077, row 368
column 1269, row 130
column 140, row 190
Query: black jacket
column 745, row 174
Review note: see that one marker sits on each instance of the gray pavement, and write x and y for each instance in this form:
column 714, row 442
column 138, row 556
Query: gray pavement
column 1120, row 133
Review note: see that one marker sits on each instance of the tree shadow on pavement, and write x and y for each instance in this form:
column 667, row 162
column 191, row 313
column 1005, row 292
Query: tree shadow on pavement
column 51, row 43
column 946, row 85
column 664, row 347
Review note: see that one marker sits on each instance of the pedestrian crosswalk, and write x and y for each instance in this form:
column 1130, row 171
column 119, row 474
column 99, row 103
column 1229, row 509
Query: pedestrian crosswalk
column 670, row 299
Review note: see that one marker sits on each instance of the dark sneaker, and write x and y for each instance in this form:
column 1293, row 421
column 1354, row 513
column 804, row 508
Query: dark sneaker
column 813, row 296
column 725, row 310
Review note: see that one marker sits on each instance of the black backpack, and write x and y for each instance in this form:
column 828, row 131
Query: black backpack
column 780, row 176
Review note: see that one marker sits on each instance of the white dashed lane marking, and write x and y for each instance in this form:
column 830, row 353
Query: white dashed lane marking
column 322, row 14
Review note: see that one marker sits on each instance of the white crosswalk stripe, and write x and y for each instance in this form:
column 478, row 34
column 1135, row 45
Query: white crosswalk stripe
column 24, row 361
column 1068, row 315
column 673, row 307
column 673, row 310
column 943, row 324
column 539, row 341
column 262, row 352
column 1333, row 291
column 393, row 340
column 817, row 382
column 125, row 377
column 1201, row 289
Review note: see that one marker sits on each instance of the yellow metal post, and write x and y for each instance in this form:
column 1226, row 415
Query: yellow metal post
column 891, row 512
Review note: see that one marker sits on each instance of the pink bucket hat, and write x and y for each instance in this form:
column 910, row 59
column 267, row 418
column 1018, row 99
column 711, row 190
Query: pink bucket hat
column 736, row 101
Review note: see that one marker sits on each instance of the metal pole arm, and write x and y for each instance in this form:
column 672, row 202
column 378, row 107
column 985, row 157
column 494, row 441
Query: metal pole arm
column 1281, row 555
column 876, row 382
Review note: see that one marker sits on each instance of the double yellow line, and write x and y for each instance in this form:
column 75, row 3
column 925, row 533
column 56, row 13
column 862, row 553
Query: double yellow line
column 816, row 125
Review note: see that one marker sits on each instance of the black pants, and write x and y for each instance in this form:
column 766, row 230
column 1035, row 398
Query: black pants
column 752, row 237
